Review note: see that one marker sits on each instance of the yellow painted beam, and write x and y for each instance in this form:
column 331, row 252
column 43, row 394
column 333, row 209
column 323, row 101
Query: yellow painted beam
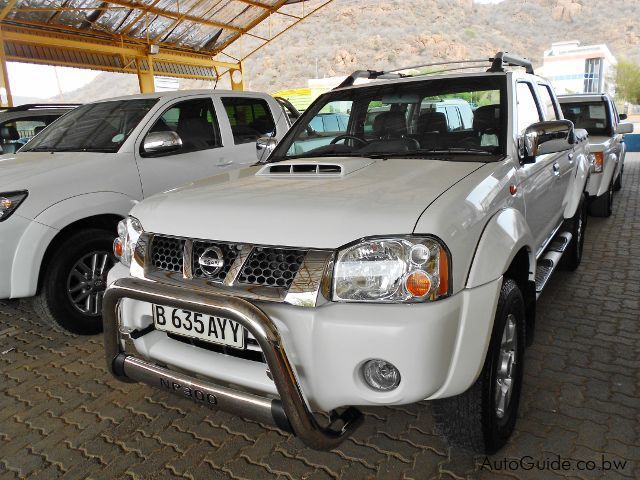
column 4, row 78
column 237, row 77
column 145, row 78
column 7, row 8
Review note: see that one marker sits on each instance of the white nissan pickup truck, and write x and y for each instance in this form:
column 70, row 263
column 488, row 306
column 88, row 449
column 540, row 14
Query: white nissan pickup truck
column 598, row 115
column 392, row 263
column 64, row 192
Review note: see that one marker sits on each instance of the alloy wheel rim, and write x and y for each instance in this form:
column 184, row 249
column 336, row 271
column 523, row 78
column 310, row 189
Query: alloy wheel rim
column 87, row 282
column 507, row 360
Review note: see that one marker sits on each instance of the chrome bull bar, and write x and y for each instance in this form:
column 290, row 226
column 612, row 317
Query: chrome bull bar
column 289, row 413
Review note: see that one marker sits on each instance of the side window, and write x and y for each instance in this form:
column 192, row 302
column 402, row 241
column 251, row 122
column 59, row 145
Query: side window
column 250, row 118
column 615, row 116
column 528, row 112
column 194, row 121
column 331, row 123
column 548, row 104
column 23, row 129
column 453, row 116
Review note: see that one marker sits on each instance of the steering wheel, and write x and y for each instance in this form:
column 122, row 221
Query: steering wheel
column 347, row 137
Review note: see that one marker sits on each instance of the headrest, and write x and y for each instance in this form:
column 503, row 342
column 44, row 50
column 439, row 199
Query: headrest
column 432, row 121
column 390, row 124
column 486, row 118
column 9, row 133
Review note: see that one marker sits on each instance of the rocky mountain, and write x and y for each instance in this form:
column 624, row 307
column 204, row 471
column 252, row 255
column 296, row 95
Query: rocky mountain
column 348, row 35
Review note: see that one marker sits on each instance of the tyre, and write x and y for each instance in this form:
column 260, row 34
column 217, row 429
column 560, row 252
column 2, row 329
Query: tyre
column 74, row 282
column 602, row 206
column 577, row 225
column 483, row 418
column 617, row 185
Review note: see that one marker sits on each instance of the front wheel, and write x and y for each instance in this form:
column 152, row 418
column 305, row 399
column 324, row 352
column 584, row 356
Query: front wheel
column 483, row 418
column 75, row 280
column 602, row 206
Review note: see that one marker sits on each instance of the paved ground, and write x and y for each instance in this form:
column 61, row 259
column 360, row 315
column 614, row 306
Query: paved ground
column 62, row 416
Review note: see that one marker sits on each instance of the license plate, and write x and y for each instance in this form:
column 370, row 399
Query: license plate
column 209, row 328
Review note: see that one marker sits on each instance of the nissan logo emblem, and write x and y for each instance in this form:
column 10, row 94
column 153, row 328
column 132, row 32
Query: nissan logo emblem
column 211, row 261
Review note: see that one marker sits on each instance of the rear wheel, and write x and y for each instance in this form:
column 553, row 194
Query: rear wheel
column 483, row 418
column 577, row 225
column 75, row 280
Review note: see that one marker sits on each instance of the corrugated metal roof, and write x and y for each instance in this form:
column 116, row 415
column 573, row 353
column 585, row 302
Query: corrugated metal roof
column 206, row 26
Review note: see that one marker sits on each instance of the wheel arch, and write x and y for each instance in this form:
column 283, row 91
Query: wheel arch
column 106, row 221
column 506, row 249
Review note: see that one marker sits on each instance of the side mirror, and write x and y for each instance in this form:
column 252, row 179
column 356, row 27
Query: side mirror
column 622, row 116
column 161, row 142
column 264, row 147
column 624, row 128
column 547, row 137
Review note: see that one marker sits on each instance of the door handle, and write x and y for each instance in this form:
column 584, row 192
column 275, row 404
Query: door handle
column 556, row 168
column 224, row 163
column 570, row 157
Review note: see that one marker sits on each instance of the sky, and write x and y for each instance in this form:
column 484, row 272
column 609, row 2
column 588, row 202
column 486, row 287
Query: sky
column 39, row 81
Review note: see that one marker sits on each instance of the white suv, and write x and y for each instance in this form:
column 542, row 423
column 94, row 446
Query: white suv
column 63, row 193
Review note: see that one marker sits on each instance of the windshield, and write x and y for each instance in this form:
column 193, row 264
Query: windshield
column 458, row 115
column 591, row 116
column 96, row 127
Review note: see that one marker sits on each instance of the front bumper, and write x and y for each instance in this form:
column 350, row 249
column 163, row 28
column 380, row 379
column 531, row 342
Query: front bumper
column 314, row 355
column 290, row 413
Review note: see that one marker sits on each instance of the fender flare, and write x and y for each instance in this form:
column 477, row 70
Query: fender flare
column 44, row 228
column 579, row 184
column 506, row 231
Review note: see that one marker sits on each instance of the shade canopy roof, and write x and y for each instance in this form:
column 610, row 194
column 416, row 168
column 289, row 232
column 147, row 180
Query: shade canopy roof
column 110, row 35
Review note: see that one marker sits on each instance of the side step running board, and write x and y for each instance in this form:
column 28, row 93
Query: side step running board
column 547, row 264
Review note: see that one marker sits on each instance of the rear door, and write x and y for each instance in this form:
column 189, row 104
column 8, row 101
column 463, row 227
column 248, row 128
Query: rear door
column 565, row 160
column 195, row 120
column 542, row 193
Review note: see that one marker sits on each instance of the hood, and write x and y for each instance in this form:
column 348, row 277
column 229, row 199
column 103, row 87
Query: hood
column 599, row 143
column 22, row 170
column 322, row 204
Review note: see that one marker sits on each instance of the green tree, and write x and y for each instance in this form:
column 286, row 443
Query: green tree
column 628, row 81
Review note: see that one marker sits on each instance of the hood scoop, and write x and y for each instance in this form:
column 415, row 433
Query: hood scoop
column 314, row 169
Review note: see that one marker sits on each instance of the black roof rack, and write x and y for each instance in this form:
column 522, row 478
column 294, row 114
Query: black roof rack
column 505, row 58
column 498, row 62
column 41, row 106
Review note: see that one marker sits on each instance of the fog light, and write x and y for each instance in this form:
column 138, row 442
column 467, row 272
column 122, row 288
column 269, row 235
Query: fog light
column 381, row 375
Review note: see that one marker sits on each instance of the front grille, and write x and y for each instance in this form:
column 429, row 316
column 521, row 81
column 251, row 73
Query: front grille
column 167, row 253
column 229, row 252
column 273, row 267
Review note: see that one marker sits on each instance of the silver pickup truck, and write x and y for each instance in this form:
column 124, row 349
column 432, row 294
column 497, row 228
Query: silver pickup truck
column 597, row 114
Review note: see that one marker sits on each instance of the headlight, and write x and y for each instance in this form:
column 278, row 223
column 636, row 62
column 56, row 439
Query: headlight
column 597, row 161
column 401, row 269
column 9, row 202
column 129, row 231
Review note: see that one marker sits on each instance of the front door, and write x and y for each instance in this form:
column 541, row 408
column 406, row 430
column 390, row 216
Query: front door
column 202, row 153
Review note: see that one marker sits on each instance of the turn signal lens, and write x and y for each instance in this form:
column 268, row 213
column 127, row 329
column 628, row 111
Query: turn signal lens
column 418, row 284
column 598, row 161
column 443, row 288
column 118, row 249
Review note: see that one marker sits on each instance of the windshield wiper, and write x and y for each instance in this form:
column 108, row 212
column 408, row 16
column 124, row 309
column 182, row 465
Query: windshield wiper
column 429, row 151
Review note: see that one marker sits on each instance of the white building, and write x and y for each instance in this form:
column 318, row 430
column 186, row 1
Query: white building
column 574, row 68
